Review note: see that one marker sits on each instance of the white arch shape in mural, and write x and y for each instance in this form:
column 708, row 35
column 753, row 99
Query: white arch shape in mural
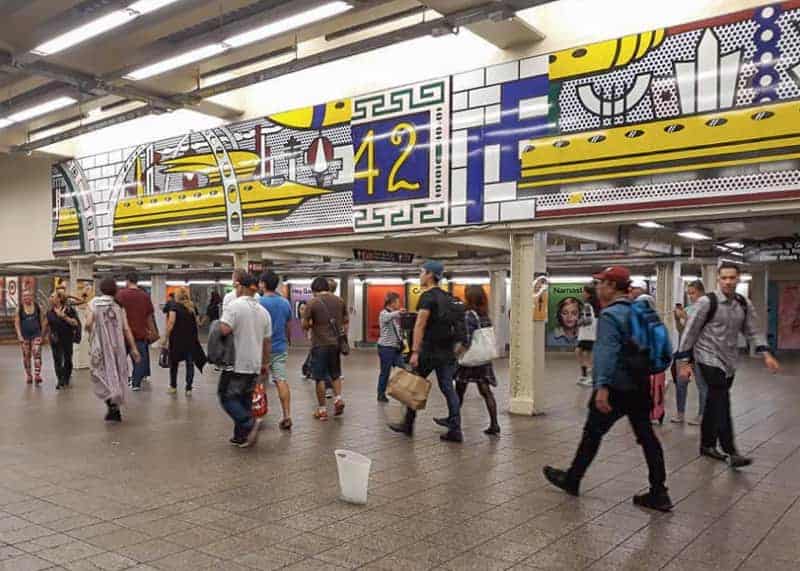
column 234, row 220
column 83, row 200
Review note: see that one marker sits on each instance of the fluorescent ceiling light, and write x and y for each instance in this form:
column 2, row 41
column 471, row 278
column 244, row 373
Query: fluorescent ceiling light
column 289, row 23
column 649, row 224
column 734, row 245
column 177, row 61
column 99, row 26
column 692, row 235
column 46, row 107
column 5, row 123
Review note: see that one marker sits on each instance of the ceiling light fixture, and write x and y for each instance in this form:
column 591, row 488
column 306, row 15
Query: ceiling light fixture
column 176, row 61
column 99, row 26
column 31, row 112
column 649, row 224
column 693, row 235
column 737, row 245
column 289, row 23
column 5, row 123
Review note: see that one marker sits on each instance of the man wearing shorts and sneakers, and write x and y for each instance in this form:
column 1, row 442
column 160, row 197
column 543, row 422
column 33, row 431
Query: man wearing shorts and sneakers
column 324, row 315
column 280, row 312
column 711, row 340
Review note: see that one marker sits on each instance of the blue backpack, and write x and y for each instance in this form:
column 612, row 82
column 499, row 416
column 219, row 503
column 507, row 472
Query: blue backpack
column 651, row 336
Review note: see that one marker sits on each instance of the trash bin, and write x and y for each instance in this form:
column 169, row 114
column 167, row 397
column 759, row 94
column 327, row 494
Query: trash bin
column 353, row 476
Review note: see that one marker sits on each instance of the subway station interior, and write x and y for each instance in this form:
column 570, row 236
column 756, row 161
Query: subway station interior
column 526, row 145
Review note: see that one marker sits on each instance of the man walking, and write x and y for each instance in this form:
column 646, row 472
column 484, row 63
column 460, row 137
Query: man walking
column 711, row 339
column 434, row 350
column 617, row 393
column 326, row 317
column 139, row 311
column 280, row 313
column 251, row 327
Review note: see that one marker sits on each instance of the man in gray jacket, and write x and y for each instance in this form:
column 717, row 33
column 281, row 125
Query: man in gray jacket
column 711, row 340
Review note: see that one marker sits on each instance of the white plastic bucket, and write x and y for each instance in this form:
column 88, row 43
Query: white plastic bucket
column 353, row 476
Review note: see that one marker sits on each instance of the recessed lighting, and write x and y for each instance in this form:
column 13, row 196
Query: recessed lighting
column 649, row 224
column 47, row 107
column 176, row 61
column 693, row 235
column 738, row 245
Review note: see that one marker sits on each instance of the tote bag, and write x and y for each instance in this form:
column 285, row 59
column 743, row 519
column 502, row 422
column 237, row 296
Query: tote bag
column 482, row 349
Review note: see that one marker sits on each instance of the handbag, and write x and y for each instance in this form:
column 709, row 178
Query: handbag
column 341, row 337
column 260, row 405
column 409, row 388
column 483, row 347
column 163, row 358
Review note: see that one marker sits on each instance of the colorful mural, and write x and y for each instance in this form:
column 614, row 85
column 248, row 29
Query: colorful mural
column 702, row 113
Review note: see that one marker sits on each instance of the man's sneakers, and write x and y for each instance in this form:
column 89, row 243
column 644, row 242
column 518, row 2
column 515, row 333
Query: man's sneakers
column 321, row 414
column 443, row 421
column 738, row 461
column 402, row 428
column 560, row 479
column 338, row 406
column 585, row 381
column 171, row 391
column 452, row 436
column 696, row 421
column 677, row 419
column 712, row 452
column 660, row 502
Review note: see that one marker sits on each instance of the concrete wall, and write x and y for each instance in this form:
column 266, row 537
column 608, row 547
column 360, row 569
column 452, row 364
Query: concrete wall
column 25, row 209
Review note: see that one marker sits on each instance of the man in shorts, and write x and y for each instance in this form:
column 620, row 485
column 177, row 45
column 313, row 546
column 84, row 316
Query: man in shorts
column 280, row 311
column 324, row 314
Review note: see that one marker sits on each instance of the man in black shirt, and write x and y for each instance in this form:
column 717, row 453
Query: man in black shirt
column 434, row 350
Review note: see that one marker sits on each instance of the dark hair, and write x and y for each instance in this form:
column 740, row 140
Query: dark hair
column 319, row 285
column 728, row 266
column 238, row 273
column 593, row 300
column 270, row 280
column 108, row 286
column 390, row 298
column 215, row 297
column 132, row 277
column 561, row 305
column 698, row 285
column 476, row 299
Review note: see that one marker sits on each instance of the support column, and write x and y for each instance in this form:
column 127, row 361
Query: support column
column 709, row 276
column 81, row 285
column 528, row 257
column 669, row 291
column 759, row 291
column 158, row 295
column 241, row 260
column 497, row 309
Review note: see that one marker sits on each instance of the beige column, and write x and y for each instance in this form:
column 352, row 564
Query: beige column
column 527, row 357
column 709, row 276
column 158, row 295
column 669, row 291
column 759, row 288
column 81, row 270
column 241, row 260
column 498, row 310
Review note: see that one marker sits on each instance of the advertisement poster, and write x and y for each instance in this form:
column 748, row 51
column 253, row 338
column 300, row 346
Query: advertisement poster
column 12, row 292
column 564, row 308
column 299, row 297
column 376, row 296
column 789, row 316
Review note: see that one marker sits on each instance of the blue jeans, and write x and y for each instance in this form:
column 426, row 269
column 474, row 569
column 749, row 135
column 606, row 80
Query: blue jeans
column 390, row 357
column 142, row 368
column 682, row 391
column 235, row 393
column 445, row 366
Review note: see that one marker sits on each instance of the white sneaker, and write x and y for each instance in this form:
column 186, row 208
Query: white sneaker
column 582, row 381
column 696, row 421
column 677, row 419
column 588, row 382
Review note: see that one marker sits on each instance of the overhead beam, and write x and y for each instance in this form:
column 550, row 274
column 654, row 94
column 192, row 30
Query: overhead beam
column 612, row 238
column 470, row 240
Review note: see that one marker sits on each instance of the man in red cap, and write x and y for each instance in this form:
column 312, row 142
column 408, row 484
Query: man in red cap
column 618, row 392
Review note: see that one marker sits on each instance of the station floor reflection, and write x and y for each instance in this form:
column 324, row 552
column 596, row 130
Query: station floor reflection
column 165, row 490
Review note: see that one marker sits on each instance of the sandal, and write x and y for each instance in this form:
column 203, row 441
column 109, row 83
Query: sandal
column 285, row 424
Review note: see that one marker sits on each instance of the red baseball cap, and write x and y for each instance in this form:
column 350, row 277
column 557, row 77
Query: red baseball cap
column 618, row 274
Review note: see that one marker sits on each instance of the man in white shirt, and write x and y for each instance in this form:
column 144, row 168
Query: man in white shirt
column 233, row 294
column 251, row 327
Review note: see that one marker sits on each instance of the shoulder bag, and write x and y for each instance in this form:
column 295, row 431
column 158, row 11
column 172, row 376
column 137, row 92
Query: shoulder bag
column 341, row 336
column 482, row 348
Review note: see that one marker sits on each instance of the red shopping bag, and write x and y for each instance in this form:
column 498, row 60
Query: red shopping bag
column 260, row 405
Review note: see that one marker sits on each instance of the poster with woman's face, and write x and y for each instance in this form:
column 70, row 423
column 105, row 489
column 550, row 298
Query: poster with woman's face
column 564, row 309
column 299, row 298
column 789, row 316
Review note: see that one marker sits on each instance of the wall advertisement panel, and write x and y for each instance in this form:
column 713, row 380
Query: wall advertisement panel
column 789, row 316
column 564, row 305
column 701, row 113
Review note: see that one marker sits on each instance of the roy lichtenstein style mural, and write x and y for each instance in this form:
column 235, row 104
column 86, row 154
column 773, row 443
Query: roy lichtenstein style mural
column 701, row 113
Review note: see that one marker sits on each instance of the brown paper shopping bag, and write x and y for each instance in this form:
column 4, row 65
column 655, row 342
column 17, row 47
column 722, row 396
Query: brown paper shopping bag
column 408, row 388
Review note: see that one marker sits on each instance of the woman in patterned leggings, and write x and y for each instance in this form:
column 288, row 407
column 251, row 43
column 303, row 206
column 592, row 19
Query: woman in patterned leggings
column 31, row 326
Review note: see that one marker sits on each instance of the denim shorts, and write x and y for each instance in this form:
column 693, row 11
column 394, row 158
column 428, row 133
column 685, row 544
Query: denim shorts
column 277, row 366
column 326, row 363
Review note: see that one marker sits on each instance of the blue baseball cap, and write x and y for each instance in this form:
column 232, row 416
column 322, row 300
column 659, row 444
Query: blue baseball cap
column 434, row 267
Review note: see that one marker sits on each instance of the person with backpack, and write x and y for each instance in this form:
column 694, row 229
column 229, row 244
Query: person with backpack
column 65, row 329
column 31, row 327
column 587, row 333
column 390, row 341
column 440, row 326
column 694, row 291
column 711, row 339
column 631, row 342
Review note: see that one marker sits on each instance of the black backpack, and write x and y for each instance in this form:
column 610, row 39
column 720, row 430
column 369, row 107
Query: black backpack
column 77, row 331
column 712, row 311
column 453, row 313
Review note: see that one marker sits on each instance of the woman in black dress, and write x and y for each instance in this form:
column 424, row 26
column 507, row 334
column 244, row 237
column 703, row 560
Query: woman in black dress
column 183, row 342
column 477, row 316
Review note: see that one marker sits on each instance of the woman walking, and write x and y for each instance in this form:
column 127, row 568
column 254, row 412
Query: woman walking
column 477, row 316
column 182, row 341
column 108, row 360
column 31, row 326
column 587, row 333
column 214, row 307
column 390, row 342
column 62, row 321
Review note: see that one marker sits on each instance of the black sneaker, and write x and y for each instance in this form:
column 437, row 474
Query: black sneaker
column 452, row 436
column 237, row 441
column 737, row 461
column 712, row 452
column 660, row 502
column 114, row 414
column 493, row 430
column 382, row 398
column 560, row 479
column 402, row 428
column 443, row 421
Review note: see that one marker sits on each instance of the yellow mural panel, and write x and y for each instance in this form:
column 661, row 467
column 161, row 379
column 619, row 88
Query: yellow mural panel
column 603, row 56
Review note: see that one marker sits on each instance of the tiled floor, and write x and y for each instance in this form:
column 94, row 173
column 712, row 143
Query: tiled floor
column 165, row 490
